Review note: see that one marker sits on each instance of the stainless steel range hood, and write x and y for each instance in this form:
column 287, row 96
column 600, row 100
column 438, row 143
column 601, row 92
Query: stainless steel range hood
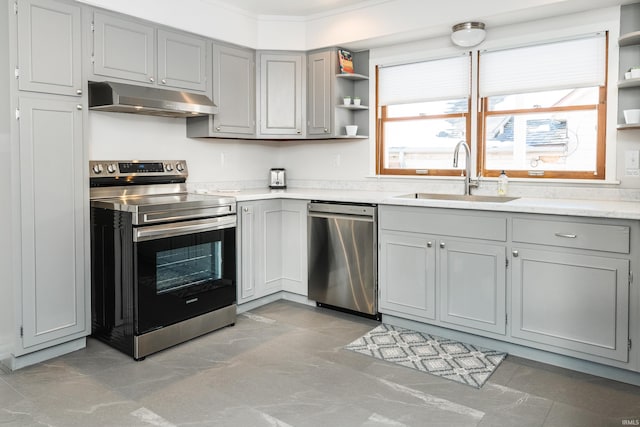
column 125, row 98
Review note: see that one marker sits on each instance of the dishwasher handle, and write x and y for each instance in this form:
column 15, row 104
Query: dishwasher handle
column 328, row 215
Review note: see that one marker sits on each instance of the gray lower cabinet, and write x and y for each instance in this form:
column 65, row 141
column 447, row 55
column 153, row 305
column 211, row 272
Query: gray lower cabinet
column 571, row 301
column 429, row 271
column 472, row 284
column 321, row 73
column 407, row 274
column 49, row 51
column 54, row 214
column 272, row 248
column 565, row 282
column 281, row 98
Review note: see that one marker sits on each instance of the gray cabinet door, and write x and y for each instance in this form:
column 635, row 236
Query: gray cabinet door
column 260, row 266
column 53, row 213
column 294, row 248
column 182, row 61
column 281, row 94
column 407, row 275
column 472, row 284
column 234, row 90
column 49, row 52
column 247, row 251
column 571, row 302
column 123, row 49
column 319, row 105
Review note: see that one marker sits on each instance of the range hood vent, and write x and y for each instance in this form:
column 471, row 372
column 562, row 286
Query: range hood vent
column 125, row 98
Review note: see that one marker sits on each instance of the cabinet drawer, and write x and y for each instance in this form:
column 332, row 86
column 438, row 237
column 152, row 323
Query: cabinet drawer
column 451, row 223
column 598, row 237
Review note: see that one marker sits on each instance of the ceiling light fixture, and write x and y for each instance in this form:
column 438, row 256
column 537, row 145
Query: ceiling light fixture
column 468, row 34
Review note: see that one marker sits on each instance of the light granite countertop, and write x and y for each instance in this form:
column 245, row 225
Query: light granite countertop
column 575, row 207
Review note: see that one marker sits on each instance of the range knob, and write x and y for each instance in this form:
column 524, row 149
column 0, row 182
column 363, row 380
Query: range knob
column 168, row 167
column 179, row 167
column 112, row 168
column 97, row 168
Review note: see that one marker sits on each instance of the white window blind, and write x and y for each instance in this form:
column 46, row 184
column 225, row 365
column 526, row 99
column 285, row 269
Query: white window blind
column 425, row 81
column 550, row 66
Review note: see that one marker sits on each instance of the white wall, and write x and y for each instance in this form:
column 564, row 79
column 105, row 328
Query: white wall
column 117, row 136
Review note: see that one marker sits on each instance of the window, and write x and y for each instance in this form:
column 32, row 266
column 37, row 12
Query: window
column 543, row 110
column 423, row 113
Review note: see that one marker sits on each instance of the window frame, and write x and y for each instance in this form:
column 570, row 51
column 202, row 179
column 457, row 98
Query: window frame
column 478, row 111
column 601, row 110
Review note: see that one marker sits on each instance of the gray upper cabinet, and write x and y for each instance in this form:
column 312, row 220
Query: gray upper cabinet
column 123, row 49
column 319, row 87
column 234, row 81
column 128, row 49
column 234, row 76
column 49, row 51
column 182, row 61
column 281, row 96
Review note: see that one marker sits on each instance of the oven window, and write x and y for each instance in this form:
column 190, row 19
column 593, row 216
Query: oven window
column 183, row 267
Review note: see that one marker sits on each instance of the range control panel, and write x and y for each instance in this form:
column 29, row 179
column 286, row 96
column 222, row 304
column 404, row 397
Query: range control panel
column 133, row 168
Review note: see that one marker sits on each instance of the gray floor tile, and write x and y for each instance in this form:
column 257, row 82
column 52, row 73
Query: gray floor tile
column 284, row 364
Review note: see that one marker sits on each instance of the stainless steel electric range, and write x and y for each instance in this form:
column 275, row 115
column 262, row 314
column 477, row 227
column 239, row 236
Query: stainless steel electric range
column 163, row 260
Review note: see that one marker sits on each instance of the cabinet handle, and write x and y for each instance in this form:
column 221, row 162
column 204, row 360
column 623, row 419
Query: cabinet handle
column 442, row 245
column 78, row 91
column 515, row 253
column 429, row 244
column 298, row 132
column 566, row 236
column 218, row 128
column 79, row 107
column 326, row 130
column 151, row 79
column 164, row 81
column 245, row 209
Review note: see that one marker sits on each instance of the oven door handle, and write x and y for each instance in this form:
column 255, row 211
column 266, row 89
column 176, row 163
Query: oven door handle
column 161, row 231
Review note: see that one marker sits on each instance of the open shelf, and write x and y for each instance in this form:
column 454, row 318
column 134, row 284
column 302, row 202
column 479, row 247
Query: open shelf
column 631, row 126
column 352, row 76
column 628, row 83
column 629, row 39
column 353, row 107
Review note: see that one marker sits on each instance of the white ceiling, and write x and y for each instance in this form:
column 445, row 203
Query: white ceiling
column 290, row 7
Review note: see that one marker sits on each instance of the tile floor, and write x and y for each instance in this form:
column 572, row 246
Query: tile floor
column 283, row 365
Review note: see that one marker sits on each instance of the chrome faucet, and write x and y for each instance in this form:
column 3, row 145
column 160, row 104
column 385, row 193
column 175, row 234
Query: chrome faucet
column 467, row 175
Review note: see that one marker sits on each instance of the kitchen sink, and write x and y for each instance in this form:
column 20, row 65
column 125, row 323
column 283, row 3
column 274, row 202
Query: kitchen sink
column 460, row 197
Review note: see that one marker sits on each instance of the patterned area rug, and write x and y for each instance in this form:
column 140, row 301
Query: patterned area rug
column 456, row 361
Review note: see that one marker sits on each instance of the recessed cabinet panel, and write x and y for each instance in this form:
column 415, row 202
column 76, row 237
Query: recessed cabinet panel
column 49, row 53
column 272, row 246
column 319, row 93
column 571, row 301
column 281, row 94
column 473, row 285
column 181, row 61
column 52, row 211
column 247, row 262
column 407, row 274
column 234, row 90
column 123, row 49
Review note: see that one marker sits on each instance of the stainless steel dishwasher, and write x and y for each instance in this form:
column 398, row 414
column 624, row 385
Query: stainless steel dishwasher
column 342, row 256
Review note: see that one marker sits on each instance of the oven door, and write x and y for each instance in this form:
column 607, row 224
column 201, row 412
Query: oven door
column 183, row 270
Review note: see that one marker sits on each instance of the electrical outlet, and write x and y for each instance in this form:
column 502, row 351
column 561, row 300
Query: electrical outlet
column 632, row 163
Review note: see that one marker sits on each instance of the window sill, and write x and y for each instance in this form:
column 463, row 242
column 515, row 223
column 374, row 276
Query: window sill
column 525, row 181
